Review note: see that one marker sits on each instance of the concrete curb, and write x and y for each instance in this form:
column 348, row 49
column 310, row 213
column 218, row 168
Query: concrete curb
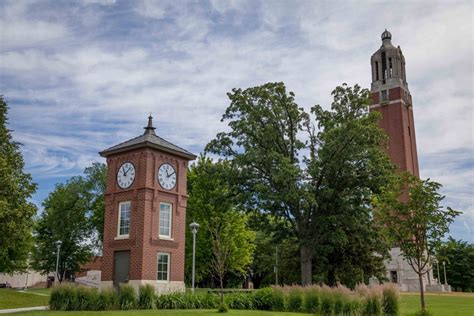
column 24, row 309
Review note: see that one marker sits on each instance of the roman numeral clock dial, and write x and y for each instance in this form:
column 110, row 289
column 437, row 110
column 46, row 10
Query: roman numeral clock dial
column 167, row 176
column 126, row 175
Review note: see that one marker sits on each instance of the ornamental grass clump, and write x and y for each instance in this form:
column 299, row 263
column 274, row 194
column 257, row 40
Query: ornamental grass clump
column 294, row 299
column 372, row 304
column 278, row 299
column 146, row 297
column 390, row 300
column 86, row 299
column 108, row 300
column 127, row 297
column 311, row 299
column 327, row 300
column 63, row 298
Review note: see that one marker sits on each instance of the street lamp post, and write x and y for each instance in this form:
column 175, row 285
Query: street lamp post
column 445, row 279
column 58, row 247
column 437, row 270
column 194, row 228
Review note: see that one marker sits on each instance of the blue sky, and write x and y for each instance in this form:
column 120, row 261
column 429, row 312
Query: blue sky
column 80, row 76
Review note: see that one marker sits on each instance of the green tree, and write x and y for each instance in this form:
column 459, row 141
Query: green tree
column 16, row 212
column 224, row 242
column 95, row 185
column 66, row 217
column 321, row 183
column 459, row 258
column 232, row 245
column 413, row 217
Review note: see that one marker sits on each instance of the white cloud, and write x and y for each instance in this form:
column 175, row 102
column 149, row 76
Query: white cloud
column 86, row 77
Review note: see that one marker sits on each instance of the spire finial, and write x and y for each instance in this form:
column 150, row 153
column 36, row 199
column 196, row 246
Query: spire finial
column 386, row 35
column 149, row 129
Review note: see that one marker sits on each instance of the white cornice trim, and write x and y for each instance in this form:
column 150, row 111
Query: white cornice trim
column 387, row 103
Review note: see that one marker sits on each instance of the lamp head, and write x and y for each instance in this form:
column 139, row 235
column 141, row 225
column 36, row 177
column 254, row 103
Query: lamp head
column 58, row 243
column 194, row 227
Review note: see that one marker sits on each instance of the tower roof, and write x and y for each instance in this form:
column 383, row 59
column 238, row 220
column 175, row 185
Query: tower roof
column 151, row 140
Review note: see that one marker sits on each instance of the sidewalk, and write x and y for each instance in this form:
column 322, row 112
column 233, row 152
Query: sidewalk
column 24, row 309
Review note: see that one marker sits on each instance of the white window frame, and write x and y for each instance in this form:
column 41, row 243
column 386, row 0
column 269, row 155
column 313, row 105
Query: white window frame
column 124, row 236
column 167, row 267
column 170, row 221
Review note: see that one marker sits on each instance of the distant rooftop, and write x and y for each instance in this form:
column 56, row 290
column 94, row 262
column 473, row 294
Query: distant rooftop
column 148, row 139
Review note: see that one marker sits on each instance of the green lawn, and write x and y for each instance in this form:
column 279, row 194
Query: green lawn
column 449, row 304
column 13, row 299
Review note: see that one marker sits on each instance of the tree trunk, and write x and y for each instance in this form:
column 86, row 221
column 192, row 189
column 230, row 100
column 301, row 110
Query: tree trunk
column 422, row 292
column 306, row 265
column 221, row 279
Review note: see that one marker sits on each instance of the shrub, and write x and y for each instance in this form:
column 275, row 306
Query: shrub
column 311, row 300
column 295, row 299
column 263, row 299
column 239, row 300
column 172, row 300
column 223, row 308
column 390, row 300
column 127, row 297
column 146, row 297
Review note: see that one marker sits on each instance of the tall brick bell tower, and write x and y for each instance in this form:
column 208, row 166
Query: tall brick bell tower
column 145, row 213
column 391, row 97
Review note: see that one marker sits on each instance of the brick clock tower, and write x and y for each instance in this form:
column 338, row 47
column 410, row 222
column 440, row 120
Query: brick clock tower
column 391, row 97
column 145, row 213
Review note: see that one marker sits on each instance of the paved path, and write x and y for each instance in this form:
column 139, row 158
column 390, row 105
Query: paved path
column 28, row 292
column 24, row 309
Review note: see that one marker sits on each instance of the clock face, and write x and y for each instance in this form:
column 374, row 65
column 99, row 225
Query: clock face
column 167, row 176
column 126, row 175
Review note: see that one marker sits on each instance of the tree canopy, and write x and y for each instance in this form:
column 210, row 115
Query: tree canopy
column 73, row 214
column 16, row 211
column 316, row 175
column 458, row 256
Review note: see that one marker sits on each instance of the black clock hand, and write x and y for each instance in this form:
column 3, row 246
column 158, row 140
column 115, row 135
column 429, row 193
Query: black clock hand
column 172, row 174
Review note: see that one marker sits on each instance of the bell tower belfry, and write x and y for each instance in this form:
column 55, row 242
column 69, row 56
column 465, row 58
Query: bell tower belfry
column 391, row 97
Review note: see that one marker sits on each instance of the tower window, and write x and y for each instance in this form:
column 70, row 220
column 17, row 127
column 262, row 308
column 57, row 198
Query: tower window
column 123, row 219
column 390, row 67
column 163, row 267
column 376, row 70
column 384, row 95
column 165, row 220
